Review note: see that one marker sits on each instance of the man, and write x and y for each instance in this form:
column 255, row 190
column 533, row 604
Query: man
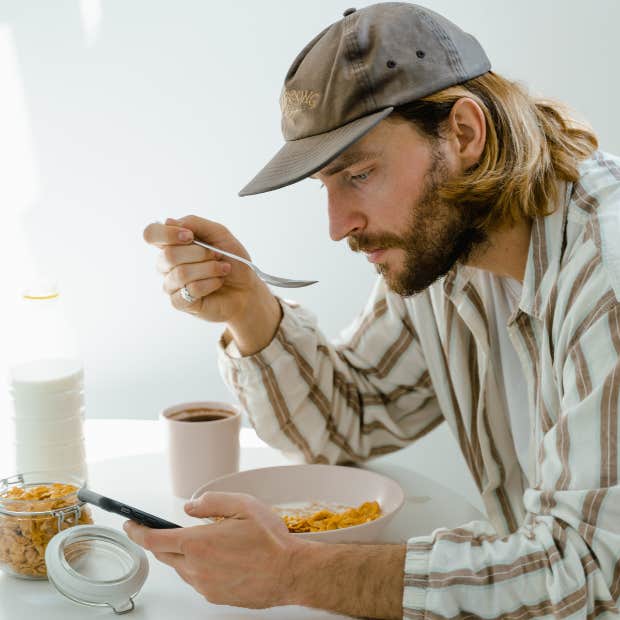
column 494, row 224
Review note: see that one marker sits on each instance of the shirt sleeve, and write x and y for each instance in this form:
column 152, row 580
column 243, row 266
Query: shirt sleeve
column 365, row 394
column 564, row 560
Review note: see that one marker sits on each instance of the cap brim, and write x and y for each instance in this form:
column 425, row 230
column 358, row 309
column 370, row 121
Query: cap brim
column 298, row 159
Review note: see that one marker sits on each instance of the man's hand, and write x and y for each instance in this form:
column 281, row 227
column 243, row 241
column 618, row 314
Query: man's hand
column 243, row 559
column 249, row 559
column 221, row 287
column 225, row 290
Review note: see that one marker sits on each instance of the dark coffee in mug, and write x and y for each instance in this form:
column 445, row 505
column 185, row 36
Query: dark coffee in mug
column 201, row 452
column 200, row 415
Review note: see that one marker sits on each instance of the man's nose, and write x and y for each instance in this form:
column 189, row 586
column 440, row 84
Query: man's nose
column 344, row 217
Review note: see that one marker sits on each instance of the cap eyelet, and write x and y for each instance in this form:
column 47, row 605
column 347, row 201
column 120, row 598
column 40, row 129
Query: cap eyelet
column 420, row 54
column 391, row 64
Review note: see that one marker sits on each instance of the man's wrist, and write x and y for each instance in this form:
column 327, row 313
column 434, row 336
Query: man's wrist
column 256, row 325
column 356, row 580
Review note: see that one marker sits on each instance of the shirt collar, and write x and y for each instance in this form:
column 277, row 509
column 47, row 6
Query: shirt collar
column 543, row 260
column 544, row 255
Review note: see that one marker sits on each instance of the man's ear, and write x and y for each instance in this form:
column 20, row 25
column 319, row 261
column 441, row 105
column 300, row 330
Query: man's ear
column 467, row 131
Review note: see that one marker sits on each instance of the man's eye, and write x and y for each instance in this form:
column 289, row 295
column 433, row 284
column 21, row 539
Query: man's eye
column 363, row 176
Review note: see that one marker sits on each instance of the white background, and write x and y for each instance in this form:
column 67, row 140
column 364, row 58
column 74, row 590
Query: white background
column 115, row 113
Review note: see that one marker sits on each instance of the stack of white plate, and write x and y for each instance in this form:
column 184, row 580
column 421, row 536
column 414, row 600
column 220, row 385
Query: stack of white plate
column 48, row 416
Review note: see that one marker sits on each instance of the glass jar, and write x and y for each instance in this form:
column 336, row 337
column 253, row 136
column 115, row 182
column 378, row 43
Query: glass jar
column 46, row 532
column 34, row 507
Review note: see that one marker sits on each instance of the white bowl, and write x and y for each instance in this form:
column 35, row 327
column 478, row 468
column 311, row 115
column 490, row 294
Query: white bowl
column 350, row 486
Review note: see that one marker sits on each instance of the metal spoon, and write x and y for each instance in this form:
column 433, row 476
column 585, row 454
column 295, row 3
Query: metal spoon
column 265, row 277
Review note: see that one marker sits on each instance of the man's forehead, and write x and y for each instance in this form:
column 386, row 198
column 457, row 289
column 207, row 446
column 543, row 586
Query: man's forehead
column 346, row 159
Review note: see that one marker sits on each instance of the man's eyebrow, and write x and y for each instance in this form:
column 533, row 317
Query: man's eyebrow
column 345, row 160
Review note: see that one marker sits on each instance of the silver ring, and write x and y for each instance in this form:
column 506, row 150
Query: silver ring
column 187, row 296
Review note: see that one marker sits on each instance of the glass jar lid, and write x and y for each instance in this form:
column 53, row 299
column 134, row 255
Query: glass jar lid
column 96, row 565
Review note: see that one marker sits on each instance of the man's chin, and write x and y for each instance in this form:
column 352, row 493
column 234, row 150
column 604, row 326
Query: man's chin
column 402, row 289
column 394, row 281
column 398, row 280
column 406, row 284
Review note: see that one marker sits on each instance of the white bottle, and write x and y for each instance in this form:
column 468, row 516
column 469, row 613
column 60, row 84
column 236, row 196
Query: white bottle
column 46, row 385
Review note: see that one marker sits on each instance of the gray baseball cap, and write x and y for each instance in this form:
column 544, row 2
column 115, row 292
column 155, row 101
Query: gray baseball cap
column 354, row 73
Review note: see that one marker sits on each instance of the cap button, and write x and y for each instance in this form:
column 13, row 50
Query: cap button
column 348, row 12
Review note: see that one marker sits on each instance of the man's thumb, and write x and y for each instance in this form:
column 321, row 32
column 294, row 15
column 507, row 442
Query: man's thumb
column 213, row 504
column 192, row 506
column 200, row 506
column 207, row 230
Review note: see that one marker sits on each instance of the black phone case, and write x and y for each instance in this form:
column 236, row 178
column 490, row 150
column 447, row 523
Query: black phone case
column 111, row 505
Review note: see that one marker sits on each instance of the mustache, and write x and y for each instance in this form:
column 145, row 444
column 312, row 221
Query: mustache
column 366, row 243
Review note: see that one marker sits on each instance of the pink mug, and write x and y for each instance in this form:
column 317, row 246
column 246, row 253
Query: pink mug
column 202, row 443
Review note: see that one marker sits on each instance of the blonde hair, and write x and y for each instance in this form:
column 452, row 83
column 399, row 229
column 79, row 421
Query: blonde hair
column 530, row 144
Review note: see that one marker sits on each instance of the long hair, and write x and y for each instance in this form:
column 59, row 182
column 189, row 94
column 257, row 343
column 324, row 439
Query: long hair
column 530, row 144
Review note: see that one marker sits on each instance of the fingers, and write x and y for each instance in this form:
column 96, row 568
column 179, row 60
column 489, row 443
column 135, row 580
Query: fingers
column 176, row 560
column 212, row 504
column 160, row 235
column 180, row 566
column 175, row 231
column 198, row 290
column 185, row 576
column 193, row 273
column 206, row 230
column 173, row 255
column 155, row 540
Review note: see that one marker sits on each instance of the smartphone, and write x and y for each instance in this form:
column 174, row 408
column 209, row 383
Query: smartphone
column 111, row 505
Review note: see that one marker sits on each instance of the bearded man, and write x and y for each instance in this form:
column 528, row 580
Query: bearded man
column 494, row 224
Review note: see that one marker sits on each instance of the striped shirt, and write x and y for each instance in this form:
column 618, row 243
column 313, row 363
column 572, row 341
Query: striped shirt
column 552, row 543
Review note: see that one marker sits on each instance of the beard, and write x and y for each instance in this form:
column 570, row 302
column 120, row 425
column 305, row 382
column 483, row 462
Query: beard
column 439, row 235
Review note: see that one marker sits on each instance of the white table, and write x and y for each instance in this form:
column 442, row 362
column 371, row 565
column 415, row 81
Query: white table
column 127, row 461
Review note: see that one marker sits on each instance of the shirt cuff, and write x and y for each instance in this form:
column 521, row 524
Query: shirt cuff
column 417, row 561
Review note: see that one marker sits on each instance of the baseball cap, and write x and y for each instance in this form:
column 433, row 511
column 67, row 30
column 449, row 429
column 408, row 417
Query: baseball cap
column 354, row 73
